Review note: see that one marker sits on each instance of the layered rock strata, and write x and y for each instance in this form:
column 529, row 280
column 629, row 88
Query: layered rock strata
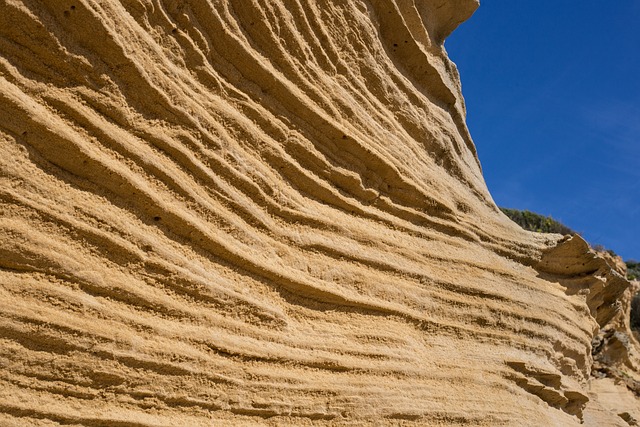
column 269, row 212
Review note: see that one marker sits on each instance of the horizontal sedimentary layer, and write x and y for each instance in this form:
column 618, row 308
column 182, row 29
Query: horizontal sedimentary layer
column 263, row 212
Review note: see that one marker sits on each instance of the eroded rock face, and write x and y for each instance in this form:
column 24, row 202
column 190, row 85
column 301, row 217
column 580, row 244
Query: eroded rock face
column 266, row 212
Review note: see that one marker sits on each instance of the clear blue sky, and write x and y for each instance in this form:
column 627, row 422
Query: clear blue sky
column 553, row 104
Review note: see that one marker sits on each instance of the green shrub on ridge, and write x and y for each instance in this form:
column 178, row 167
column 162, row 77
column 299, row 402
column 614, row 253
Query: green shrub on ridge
column 535, row 222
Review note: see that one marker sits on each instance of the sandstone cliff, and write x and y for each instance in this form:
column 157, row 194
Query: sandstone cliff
column 270, row 212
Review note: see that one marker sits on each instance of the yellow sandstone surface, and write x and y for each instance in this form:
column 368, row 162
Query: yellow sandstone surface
column 271, row 212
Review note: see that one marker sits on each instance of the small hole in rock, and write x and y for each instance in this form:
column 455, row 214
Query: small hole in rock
column 24, row 133
column 73, row 7
column 156, row 218
column 66, row 13
column 395, row 45
column 175, row 30
column 344, row 136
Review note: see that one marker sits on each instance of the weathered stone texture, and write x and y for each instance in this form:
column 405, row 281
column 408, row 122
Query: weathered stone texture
column 268, row 212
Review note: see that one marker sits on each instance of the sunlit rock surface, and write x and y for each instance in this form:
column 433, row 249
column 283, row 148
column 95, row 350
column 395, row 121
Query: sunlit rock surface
column 269, row 212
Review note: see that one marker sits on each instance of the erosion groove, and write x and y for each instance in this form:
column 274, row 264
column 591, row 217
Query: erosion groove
column 270, row 212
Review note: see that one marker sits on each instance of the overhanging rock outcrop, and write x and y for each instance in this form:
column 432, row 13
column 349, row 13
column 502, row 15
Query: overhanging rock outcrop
column 268, row 212
column 581, row 270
